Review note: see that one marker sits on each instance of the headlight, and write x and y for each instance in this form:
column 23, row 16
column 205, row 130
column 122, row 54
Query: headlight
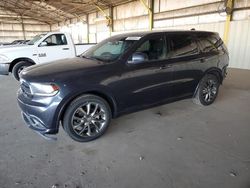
column 46, row 90
column 4, row 59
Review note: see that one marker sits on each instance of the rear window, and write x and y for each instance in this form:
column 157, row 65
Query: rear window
column 182, row 45
column 207, row 45
column 211, row 43
column 218, row 42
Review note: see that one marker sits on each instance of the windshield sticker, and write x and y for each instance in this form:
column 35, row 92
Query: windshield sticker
column 133, row 38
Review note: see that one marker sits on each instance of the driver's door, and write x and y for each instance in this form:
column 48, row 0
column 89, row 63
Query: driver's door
column 54, row 47
column 147, row 78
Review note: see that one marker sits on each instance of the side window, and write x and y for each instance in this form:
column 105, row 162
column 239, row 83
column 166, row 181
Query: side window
column 56, row 40
column 182, row 45
column 208, row 45
column 144, row 47
column 218, row 43
column 151, row 49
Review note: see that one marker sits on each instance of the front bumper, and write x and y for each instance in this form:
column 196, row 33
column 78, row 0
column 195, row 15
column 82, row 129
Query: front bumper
column 39, row 114
column 36, row 125
column 4, row 68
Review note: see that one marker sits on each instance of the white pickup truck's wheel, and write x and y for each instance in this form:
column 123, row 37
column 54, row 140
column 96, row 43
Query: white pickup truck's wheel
column 17, row 69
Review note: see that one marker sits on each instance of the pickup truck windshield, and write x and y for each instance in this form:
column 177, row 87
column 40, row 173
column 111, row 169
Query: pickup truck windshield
column 35, row 39
column 110, row 49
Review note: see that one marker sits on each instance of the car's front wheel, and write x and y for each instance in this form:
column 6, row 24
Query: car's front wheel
column 87, row 118
column 207, row 90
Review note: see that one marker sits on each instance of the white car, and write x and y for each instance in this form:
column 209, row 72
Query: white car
column 43, row 48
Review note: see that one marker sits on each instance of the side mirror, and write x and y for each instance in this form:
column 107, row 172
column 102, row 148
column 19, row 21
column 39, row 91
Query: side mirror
column 138, row 57
column 44, row 43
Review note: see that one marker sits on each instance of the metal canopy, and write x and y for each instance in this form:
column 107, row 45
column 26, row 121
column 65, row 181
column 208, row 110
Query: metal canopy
column 52, row 11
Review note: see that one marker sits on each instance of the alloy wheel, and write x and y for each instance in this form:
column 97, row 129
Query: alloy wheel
column 89, row 119
column 209, row 90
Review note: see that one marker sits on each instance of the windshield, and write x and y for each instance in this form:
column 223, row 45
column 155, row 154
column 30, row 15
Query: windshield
column 35, row 39
column 110, row 49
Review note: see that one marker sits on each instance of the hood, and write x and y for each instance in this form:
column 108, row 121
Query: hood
column 62, row 69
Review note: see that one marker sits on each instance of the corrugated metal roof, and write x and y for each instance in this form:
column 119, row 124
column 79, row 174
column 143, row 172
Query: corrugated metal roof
column 52, row 11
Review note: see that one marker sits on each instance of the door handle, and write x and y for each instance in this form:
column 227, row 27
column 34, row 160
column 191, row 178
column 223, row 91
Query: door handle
column 203, row 60
column 65, row 48
column 165, row 67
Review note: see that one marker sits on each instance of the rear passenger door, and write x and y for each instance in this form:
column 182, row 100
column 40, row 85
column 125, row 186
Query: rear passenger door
column 186, row 57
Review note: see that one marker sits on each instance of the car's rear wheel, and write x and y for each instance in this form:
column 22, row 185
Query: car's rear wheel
column 207, row 90
column 18, row 68
column 87, row 118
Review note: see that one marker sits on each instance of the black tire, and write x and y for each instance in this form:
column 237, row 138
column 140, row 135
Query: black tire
column 207, row 90
column 78, row 116
column 18, row 67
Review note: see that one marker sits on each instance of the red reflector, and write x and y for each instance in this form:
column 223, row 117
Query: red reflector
column 55, row 87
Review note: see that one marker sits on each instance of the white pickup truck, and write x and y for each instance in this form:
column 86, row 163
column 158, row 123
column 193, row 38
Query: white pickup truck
column 43, row 48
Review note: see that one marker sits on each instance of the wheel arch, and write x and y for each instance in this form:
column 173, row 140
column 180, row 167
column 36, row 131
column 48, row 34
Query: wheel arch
column 14, row 62
column 214, row 71
column 107, row 97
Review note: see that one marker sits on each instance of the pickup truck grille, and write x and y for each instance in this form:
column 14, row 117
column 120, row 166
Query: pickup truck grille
column 26, row 88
